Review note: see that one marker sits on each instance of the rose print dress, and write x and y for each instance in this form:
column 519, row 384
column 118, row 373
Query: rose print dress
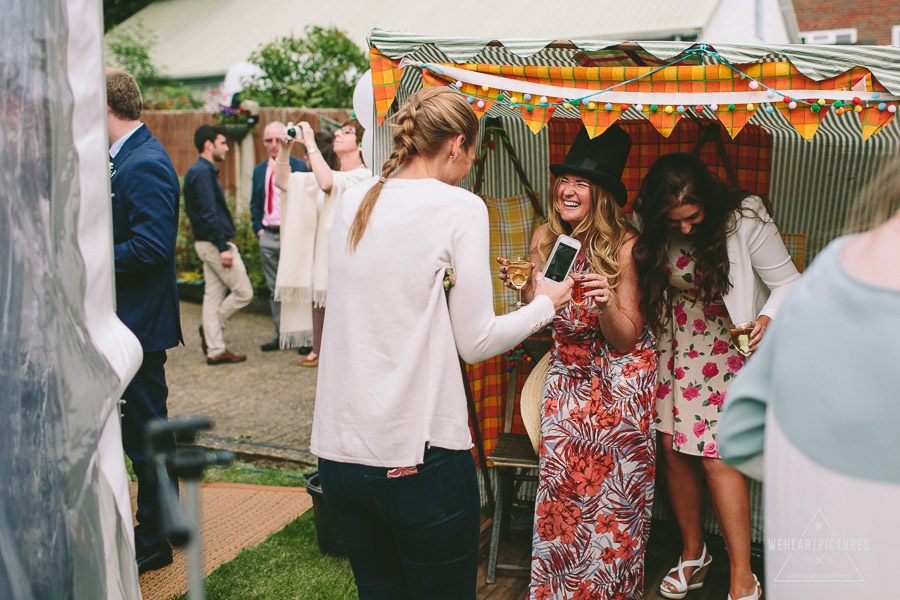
column 597, row 463
column 697, row 358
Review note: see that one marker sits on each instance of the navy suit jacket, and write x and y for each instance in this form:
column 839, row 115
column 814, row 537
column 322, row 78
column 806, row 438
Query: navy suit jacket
column 258, row 190
column 145, row 225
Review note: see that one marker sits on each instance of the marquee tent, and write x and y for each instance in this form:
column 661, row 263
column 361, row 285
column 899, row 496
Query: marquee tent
column 804, row 126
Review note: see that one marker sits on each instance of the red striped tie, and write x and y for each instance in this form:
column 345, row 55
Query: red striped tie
column 271, row 192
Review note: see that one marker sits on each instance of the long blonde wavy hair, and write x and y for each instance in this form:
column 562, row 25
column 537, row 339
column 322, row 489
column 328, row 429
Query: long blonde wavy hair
column 422, row 126
column 602, row 233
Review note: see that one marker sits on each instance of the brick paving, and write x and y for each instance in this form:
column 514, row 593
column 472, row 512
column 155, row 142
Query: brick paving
column 261, row 408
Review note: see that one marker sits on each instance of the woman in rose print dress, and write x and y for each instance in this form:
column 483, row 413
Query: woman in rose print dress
column 597, row 457
column 707, row 258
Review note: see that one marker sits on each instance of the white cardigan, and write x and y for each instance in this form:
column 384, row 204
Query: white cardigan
column 389, row 379
column 761, row 268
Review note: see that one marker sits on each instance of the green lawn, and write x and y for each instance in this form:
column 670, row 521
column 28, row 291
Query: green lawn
column 287, row 565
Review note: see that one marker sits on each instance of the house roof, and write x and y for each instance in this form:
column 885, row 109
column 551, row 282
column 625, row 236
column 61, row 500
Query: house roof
column 203, row 38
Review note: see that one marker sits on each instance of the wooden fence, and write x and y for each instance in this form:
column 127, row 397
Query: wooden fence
column 175, row 130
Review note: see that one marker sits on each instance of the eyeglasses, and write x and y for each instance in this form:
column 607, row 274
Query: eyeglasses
column 346, row 131
column 579, row 185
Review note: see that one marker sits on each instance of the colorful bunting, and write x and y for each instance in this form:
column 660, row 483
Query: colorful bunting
column 385, row 82
column 663, row 94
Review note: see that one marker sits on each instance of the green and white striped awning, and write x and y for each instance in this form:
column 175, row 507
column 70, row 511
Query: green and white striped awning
column 811, row 183
column 816, row 62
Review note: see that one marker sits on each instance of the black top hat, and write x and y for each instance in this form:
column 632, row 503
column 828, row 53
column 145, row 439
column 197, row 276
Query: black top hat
column 602, row 159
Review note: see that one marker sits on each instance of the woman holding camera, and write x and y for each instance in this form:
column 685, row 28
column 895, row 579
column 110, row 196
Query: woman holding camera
column 595, row 490
column 708, row 258
column 391, row 425
column 307, row 218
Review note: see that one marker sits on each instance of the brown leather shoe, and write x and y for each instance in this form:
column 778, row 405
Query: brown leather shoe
column 309, row 362
column 226, row 357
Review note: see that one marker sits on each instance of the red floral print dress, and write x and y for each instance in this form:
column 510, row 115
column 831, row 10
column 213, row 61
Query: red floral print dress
column 597, row 463
column 697, row 360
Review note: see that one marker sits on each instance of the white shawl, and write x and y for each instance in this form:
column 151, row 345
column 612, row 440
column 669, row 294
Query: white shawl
column 302, row 278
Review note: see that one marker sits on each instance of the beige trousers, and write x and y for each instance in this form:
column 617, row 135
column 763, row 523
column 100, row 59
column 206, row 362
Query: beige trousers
column 227, row 291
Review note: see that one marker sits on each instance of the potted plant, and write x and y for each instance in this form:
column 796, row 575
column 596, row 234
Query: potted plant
column 237, row 122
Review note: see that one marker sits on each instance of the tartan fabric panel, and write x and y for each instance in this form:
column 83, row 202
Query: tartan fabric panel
column 749, row 154
column 385, row 82
column 512, row 223
column 795, row 243
column 489, row 381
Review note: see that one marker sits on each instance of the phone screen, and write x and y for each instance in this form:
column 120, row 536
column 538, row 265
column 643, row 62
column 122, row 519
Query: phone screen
column 562, row 260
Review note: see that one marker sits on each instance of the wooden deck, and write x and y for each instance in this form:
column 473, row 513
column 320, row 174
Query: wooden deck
column 662, row 553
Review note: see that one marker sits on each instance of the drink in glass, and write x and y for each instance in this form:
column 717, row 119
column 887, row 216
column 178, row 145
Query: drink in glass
column 740, row 337
column 519, row 270
column 578, row 296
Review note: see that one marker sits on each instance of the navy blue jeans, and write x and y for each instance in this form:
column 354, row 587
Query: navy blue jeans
column 413, row 537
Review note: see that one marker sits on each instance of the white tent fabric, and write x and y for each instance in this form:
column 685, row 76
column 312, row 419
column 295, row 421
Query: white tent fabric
column 65, row 522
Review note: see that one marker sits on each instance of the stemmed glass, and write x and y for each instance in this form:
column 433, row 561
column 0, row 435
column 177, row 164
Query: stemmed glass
column 578, row 297
column 740, row 337
column 518, row 269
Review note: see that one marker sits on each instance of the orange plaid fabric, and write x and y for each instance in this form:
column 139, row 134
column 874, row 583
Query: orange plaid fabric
column 795, row 243
column 489, row 380
column 512, row 223
column 385, row 82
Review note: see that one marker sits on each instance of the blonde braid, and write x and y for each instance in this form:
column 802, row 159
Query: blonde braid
column 403, row 148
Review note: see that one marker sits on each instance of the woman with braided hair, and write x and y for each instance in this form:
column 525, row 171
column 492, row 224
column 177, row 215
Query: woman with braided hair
column 390, row 425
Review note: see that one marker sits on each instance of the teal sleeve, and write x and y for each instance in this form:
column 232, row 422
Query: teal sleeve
column 742, row 427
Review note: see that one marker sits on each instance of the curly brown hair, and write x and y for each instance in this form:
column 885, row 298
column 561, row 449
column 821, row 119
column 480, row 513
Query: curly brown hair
column 675, row 180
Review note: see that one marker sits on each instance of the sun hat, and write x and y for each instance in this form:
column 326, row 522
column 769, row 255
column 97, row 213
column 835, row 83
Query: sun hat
column 531, row 399
column 602, row 160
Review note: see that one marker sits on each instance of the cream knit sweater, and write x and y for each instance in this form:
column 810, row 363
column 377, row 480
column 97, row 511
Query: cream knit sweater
column 389, row 379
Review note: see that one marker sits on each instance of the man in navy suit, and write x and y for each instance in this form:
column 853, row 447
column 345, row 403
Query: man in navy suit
column 265, row 214
column 145, row 225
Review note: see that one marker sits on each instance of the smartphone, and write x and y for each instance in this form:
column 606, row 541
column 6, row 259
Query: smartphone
column 562, row 257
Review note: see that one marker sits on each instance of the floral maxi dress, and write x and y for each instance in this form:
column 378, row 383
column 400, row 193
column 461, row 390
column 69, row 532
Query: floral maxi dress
column 697, row 359
column 597, row 464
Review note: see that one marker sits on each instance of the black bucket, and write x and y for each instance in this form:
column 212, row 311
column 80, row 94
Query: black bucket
column 326, row 530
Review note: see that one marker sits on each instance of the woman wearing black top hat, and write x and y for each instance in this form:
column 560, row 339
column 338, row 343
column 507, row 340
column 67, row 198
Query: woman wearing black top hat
column 595, row 491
